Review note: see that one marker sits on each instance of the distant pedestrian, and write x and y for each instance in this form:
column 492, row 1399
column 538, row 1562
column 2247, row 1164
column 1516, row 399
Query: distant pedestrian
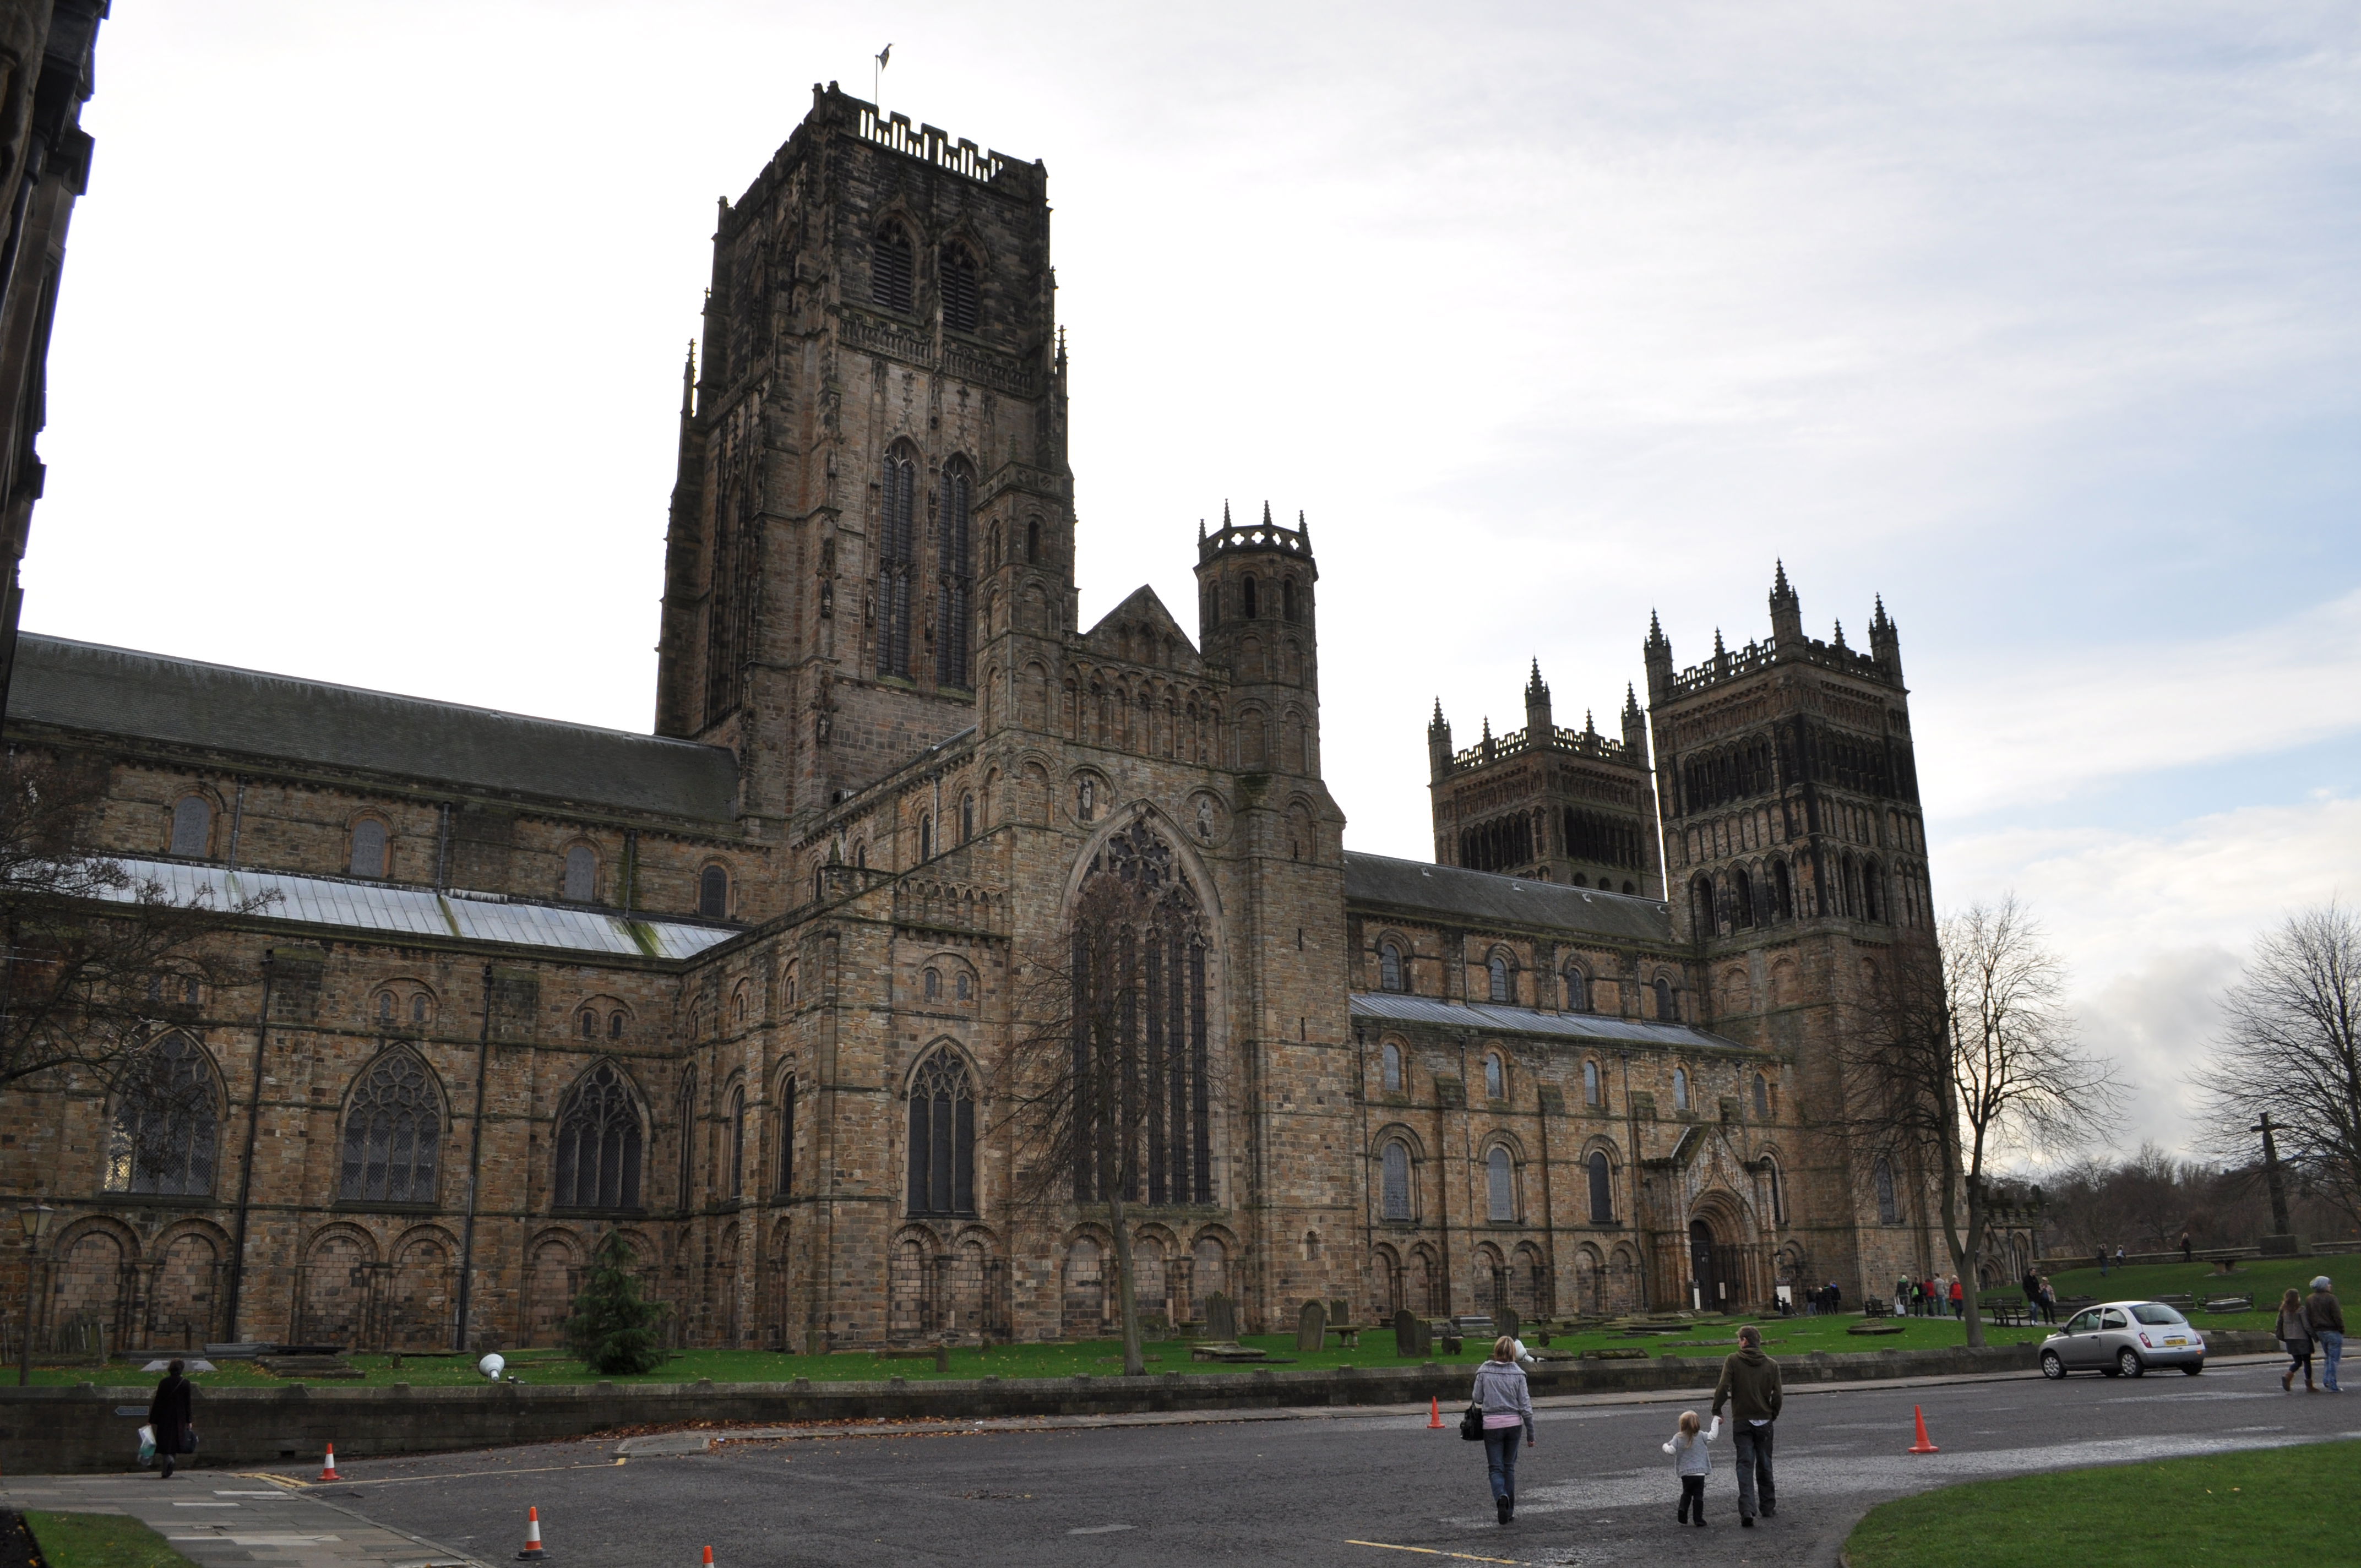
column 2188, row 1250
column 2295, row 1333
column 2327, row 1320
column 1508, row 1406
column 1836, row 1298
column 2119, row 1257
column 1959, row 1298
column 1750, row 1386
column 2103, row 1263
column 168, row 1416
column 1692, row 1463
column 2049, row 1300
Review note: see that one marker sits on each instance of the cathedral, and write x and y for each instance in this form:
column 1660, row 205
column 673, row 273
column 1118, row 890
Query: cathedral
column 745, row 989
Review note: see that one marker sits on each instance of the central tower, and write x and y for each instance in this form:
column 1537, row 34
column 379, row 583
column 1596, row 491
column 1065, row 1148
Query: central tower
column 881, row 379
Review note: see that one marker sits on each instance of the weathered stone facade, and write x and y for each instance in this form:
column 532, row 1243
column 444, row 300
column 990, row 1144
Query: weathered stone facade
column 745, row 990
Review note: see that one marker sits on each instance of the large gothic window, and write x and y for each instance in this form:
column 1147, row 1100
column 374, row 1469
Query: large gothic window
column 955, row 593
column 167, row 1126
column 942, row 1136
column 1141, row 1062
column 393, row 1131
column 896, row 559
column 599, row 1143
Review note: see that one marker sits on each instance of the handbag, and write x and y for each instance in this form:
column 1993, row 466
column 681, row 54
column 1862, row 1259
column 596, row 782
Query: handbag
column 1471, row 1422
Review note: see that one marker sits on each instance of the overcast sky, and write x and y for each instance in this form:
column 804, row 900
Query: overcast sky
column 2037, row 319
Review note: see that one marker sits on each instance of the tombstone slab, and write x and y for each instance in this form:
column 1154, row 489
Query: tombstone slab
column 1221, row 1319
column 1413, row 1334
column 1310, row 1326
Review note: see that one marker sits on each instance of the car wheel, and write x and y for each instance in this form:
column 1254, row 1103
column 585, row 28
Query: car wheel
column 2129, row 1364
column 2051, row 1368
column 2194, row 1367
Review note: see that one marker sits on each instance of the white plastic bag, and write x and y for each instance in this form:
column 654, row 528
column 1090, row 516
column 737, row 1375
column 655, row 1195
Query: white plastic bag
column 146, row 1445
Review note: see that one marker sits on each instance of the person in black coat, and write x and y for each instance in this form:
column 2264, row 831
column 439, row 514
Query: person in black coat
column 168, row 1413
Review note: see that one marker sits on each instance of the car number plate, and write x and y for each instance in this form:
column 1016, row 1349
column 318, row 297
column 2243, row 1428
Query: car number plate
column 2177, row 1339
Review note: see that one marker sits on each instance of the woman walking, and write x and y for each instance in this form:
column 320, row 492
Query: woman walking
column 1508, row 1406
column 2295, row 1333
column 168, row 1414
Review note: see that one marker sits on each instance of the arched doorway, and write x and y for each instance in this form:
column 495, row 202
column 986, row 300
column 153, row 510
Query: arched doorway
column 1704, row 1280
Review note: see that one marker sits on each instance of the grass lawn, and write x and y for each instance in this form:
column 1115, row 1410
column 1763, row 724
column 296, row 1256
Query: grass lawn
column 1788, row 1336
column 2262, row 1277
column 99, row 1541
column 2286, row 1506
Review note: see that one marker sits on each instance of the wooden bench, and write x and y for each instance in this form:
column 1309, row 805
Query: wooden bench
column 2010, row 1314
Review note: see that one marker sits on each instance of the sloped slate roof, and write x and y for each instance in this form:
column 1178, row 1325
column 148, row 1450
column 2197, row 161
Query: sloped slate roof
column 1491, row 1018
column 393, row 909
column 152, row 697
column 1452, row 893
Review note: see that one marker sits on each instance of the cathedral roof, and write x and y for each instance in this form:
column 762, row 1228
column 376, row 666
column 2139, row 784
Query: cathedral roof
column 153, row 697
column 1492, row 1018
column 1416, row 887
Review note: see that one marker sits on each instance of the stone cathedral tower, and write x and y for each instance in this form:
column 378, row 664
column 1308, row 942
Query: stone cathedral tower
column 1798, row 856
column 881, row 383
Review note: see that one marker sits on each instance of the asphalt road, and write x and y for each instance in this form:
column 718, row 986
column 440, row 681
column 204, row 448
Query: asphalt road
column 1335, row 1489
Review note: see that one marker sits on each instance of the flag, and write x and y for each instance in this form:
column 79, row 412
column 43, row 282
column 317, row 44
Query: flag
column 885, row 57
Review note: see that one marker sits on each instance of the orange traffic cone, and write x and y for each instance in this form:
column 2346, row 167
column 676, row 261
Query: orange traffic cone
column 1922, row 1446
column 328, row 1471
column 532, row 1551
column 709, row 1557
column 1434, row 1413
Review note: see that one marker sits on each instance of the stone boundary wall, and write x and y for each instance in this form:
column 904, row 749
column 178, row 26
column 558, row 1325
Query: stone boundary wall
column 52, row 1431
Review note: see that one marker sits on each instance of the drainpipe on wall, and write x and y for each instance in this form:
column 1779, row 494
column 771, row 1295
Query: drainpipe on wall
column 459, row 1334
column 245, row 1173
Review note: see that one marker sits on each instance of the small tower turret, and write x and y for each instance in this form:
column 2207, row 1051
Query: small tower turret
column 1635, row 723
column 1256, row 617
column 1438, row 744
column 1537, row 708
column 1657, row 651
column 1786, row 611
column 1885, row 642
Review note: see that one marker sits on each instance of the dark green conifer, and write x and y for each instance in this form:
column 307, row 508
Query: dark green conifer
column 613, row 1329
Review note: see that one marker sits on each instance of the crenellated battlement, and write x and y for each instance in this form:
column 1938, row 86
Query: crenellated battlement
column 935, row 146
column 1731, row 663
column 1564, row 743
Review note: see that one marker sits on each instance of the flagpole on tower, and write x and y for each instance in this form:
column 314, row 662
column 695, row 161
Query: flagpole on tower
column 876, row 77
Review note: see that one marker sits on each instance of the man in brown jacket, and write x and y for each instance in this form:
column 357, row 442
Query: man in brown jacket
column 1749, row 1384
column 2327, row 1320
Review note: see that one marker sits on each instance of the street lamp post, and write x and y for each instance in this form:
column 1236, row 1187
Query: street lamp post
column 35, row 1219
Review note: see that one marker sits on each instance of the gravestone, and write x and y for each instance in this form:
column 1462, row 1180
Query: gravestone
column 1504, row 1321
column 1413, row 1335
column 1310, row 1326
column 1221, row 1319
column 1339, row 1314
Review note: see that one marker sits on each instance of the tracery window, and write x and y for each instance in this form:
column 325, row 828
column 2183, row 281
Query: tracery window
column 581, row 873
column 599, row 1143
column 1394, row 1181
column 713, row 892
column 1140, row 1014
column 368, row 857
column 393, row 1134
column 167, row 1126
column 942, row 1136
column 1390, row 1068
column 897, row 555
column 1500, row 1184
column 890, row 268
column 955, row 591
column 963, row 299
column 1602, row 1189
column 1389, row 967
column 193, row 826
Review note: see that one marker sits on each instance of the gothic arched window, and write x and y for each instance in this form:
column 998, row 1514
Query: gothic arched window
column 1666, row 1009
column 599, row 1143
column 1390, row 1068
column 368, row 857
column 581, row 873
column 193, row 826
column 1390, row 968
column 1500, row 972
column 963, row 296
column 942, row 1136
column 890, row 268
column 1602, row 1189
column 1500, row 1184
column 713, row 892
column 168, row 1122
column 955, row 591
column 393, row 1134
column 1394, row 1182
column 897, row 555
column 1590, row 1083
column 1577, row 991
column 1889, row 1204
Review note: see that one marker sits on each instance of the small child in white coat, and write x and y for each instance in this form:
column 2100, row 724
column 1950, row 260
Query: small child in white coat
column 1692, row 1463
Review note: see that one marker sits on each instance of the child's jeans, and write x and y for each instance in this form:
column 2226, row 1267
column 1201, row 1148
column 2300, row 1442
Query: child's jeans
column 1692, row 1491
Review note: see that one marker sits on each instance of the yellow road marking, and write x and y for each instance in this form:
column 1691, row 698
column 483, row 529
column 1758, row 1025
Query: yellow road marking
column 1431, row 1551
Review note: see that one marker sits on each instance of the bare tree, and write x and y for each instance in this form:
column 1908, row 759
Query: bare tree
column 1109, row 1072
column 2291, row 1045
column 1962, row 1054
column 97, row 962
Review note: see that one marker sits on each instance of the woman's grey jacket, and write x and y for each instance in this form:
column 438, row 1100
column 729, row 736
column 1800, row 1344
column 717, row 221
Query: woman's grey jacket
column 1501, row 1389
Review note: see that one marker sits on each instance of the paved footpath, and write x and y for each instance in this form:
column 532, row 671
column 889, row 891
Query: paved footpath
column 1357, row 1487
column 216, row 1519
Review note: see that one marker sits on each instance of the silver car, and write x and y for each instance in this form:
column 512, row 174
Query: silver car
column 2124, row 1339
